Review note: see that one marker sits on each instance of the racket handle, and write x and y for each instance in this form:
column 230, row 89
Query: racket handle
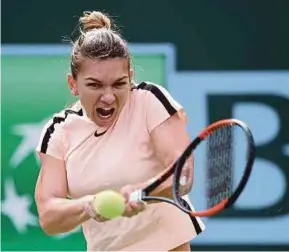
column 136, row 196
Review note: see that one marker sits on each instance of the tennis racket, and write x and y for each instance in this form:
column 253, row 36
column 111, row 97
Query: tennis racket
column 229, row 152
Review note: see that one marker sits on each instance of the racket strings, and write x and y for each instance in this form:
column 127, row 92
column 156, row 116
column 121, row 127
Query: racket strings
column 219, row 163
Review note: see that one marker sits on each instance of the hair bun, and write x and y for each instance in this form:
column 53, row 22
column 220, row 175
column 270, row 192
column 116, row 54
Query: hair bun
column 94, row 20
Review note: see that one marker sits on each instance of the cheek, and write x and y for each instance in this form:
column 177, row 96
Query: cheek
column 122, row 96
column 88, row 96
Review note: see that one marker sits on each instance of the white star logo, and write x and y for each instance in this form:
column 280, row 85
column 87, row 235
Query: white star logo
column 30, row 133
column 16, row 207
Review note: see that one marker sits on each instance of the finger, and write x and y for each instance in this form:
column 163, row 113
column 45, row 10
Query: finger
column 100, row 218
column 126, row 192
column 138, row 206
column 103, row 219
column 132, row 213
column 133, row 205
column 142, row 205
column 128, row 211
column 134, row 208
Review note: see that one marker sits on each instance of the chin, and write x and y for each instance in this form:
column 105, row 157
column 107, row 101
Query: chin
column 104, row 123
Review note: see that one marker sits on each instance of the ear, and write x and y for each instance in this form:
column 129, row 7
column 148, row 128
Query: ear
column 131, row 74
column 72, row 85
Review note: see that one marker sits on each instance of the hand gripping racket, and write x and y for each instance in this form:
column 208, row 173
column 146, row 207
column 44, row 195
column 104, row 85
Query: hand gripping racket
column 229, row 152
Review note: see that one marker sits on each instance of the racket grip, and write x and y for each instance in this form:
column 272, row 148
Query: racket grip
column 136, row 196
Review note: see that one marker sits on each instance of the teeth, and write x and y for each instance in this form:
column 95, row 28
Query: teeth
column 105, row 116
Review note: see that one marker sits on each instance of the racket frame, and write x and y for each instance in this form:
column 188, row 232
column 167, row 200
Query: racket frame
column 176, row 169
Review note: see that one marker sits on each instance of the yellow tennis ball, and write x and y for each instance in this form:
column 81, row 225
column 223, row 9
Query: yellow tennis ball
column 109, row 204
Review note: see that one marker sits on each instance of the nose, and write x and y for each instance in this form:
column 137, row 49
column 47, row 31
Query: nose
column 108, row 97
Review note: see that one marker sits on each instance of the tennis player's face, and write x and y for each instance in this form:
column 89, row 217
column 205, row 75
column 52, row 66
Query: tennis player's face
column 103, row 87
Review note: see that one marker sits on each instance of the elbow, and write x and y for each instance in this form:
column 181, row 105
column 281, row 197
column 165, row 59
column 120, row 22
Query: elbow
column 52, row 224
column 187, row 187
column 47, row 229
column 47, row 225
column 184, row 191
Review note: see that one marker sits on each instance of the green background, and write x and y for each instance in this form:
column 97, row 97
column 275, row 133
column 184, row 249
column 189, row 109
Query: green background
column 33, row 88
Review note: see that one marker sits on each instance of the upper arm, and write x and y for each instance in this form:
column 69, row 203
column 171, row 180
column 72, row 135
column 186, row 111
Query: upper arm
column 52, row 180
column 166, row 123
column 170, row 139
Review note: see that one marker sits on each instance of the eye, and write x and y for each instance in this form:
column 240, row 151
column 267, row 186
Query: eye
column 94, row 85
column 119, row 84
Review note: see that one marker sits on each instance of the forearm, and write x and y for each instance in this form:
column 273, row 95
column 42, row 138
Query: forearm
column 165, row 189
column 63, row 215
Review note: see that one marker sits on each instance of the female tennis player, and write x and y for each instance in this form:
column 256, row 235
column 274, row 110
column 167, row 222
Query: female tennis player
column 119, row 135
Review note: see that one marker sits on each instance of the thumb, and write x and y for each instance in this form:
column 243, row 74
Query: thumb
column 126, row 191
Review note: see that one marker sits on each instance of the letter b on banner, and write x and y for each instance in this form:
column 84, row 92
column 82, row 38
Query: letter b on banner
column 269, row 117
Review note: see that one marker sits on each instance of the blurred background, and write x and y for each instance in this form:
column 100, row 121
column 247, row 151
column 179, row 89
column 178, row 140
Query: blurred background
column 218, row 58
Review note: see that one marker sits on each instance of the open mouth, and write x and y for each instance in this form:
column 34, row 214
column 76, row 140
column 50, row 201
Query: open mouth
column 105, row 113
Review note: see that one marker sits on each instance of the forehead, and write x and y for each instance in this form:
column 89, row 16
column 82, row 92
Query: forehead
column 104, row 69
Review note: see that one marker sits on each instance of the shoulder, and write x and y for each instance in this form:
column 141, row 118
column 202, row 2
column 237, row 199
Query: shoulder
column 150, row 87
column 52, row 131
column 152, row 93
column 66, row 115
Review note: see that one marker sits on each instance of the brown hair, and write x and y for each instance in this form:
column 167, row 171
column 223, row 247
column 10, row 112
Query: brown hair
column 97, row 41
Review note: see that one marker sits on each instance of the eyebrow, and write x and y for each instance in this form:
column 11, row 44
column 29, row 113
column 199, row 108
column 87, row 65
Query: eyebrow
column 98, row 81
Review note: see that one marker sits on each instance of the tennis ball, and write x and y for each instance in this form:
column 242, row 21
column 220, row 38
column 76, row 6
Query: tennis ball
column 109, row 204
